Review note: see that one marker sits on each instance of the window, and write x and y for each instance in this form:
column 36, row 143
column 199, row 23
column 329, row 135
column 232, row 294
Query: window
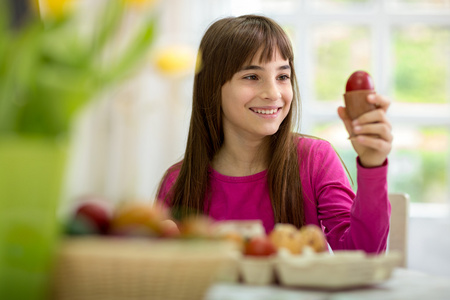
column 405, row 45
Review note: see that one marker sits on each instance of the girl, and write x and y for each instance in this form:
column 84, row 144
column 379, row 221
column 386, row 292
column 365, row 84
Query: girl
column 243, row 161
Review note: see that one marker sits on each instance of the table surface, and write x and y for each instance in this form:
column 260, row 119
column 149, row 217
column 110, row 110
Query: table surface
column 404, row 284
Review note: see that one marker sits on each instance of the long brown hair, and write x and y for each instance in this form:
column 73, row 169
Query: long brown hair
column 226, row 46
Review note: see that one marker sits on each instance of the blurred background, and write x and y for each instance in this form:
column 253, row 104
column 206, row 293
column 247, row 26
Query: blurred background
column 122, row 143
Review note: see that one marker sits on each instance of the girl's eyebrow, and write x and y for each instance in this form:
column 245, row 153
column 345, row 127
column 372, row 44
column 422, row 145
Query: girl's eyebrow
column 253, row 67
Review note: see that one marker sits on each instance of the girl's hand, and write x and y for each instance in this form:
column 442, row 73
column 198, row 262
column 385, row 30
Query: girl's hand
column 370, row 134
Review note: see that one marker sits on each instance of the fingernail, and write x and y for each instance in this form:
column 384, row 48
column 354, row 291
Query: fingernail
column 357, row 128
column 371, row 97
column 355, row 123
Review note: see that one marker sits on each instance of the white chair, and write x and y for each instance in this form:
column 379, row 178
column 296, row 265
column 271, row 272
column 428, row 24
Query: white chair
column 398, row 233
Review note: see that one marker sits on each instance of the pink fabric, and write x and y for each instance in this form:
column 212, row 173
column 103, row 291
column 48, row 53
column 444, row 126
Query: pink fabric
column 349, row 221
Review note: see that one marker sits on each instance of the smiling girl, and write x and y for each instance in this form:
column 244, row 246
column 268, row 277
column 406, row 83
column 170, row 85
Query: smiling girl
column 243, row 160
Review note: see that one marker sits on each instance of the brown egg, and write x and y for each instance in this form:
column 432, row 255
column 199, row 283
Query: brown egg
column 287, row 236
column 314, row 237
column 196, row 227
column 142, row 218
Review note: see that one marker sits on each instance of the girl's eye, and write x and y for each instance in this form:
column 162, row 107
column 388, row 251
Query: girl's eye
column 284, row 77
column 251, row 77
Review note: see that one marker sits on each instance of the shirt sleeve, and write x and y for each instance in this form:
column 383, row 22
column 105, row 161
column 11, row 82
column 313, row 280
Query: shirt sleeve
column 351, row 221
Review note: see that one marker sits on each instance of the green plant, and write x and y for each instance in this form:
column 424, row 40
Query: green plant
column 50, row 69
column 421, row 68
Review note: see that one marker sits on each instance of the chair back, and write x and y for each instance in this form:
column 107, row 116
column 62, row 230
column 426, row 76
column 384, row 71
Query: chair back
column 398, row 233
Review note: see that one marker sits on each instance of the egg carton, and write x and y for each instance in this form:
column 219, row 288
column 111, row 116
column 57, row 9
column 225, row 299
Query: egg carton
column 338, row 270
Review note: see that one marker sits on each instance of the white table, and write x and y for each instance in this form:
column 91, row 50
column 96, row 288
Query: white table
column 404, row 284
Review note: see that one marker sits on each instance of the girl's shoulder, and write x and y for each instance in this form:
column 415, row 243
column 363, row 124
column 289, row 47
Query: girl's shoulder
column 317, row 157
column 311, row 143
column 169, row 178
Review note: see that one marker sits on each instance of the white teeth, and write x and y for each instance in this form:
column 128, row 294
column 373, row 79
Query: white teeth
column 266, row 111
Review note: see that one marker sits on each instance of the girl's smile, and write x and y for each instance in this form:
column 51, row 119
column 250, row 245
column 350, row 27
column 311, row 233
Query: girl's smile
column 266, row 112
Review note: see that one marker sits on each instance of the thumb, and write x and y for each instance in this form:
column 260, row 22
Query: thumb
column 345, row 118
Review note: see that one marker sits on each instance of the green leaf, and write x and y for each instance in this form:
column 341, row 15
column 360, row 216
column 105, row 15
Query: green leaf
column 108, row 25
column 134, row 53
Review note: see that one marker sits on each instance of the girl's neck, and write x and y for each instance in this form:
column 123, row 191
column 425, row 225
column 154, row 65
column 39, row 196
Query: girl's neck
column 241, row 158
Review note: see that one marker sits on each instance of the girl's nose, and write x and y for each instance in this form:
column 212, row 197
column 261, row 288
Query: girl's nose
column 270, row 91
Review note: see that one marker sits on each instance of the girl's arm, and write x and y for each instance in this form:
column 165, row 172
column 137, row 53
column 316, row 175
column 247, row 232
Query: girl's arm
column 350, row 221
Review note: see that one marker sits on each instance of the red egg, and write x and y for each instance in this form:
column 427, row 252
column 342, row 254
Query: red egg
column 359, row 80
column 96, row 213
column 259, row 246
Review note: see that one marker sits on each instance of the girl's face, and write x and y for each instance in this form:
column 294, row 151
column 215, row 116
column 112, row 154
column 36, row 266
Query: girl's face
column 257, row 98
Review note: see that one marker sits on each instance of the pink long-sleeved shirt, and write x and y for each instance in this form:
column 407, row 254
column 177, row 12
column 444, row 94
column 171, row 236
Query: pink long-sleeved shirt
column 349, row 221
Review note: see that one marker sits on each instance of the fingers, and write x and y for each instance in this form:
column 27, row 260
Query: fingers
column 381, row 145
column 374, row 116
column 375, row 126
column 372, row 125
column 373, row 129
column 380, row 130
column 380, row 101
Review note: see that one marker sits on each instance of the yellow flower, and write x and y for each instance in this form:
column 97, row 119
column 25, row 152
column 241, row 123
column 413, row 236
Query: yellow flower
column 141, row 3
column 176, row 60
column 56, row 9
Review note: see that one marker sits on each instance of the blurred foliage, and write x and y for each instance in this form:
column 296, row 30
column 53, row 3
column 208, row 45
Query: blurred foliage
column 336, row 59
column 421, row 64
column 428, row 181
column 50, row 68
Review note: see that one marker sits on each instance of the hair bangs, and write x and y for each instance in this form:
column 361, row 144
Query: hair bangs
column 274, row 41
column 253, row 36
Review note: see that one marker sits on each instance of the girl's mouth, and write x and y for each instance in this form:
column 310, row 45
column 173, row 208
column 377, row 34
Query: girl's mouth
column 262, row 111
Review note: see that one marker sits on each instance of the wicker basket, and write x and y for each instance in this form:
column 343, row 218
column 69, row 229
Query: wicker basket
column 110, row 268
